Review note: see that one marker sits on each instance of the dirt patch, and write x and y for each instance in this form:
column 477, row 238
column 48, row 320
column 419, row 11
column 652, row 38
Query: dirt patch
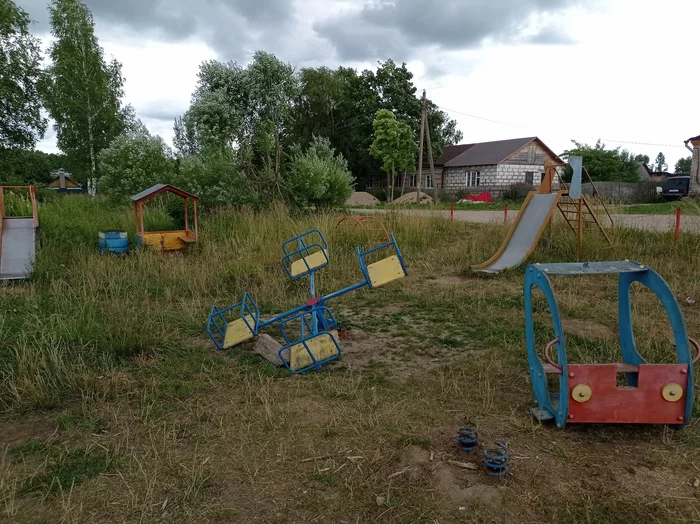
column 588, row 329
column 459, row 486
column 13, row 432
column 361, row 198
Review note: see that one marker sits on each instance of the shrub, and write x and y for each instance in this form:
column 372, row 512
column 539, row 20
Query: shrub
column 134, row 162
column 318, row 176
column 214, row 176
column 517, row 192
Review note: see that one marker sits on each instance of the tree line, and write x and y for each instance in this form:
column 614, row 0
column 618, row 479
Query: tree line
column 252, row 132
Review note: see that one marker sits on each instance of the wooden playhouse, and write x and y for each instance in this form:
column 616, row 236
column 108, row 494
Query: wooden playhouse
column 165, row 240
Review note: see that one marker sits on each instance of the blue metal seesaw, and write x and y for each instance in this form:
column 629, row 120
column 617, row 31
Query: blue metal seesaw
column 317, row 340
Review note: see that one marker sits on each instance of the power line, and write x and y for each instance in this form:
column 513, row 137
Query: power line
column 480, row 118
column 631, row 142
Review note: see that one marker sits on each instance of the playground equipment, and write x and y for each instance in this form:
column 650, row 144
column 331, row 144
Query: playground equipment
column 164, row 240
column 497, row 460
column 309, row 330
column 467, row 438
column 373, row 228
column 536, row 213
column 17, row 239
column 115, row 241
column 655, row 394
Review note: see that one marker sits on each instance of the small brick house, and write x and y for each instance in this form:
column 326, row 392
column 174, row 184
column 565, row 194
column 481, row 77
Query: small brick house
column 484, row 166
column 493, row 166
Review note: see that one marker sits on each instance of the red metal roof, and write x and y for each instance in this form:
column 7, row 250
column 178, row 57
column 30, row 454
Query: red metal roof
column 160, row 188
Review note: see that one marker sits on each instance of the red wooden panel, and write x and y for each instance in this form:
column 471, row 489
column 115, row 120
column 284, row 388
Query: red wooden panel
column 644, row 404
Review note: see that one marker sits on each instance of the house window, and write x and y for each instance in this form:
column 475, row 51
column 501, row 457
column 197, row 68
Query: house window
column 428, row 181
column 529, row 177
column 472, row 178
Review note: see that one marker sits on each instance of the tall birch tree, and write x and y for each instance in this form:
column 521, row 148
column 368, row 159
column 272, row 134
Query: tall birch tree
column 82, row 92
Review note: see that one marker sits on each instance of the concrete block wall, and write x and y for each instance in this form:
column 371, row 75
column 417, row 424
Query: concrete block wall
column 509, row 174
column 455, row 177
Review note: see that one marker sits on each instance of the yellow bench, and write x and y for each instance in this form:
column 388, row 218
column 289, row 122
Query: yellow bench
column 238, row 331
column 322, row 347
column 385, row 271
column 313, row 260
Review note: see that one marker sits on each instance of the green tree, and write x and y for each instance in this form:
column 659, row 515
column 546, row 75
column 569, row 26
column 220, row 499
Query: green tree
column 394, row 144
column 660, row 163
column 318, row 176
column 605, row 164
column 20, row 72
column 683, row 166
column 134, row 162
column 249, row 110
column 341, row 105
column 82, row 92
column 216, row 178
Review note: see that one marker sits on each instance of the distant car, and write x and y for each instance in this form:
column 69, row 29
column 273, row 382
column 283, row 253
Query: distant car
column 675, row 187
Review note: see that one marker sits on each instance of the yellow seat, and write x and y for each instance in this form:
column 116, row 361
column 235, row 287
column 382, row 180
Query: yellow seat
column 238, row 331
column 313, row 260
column 322, row 347
column 385, row 271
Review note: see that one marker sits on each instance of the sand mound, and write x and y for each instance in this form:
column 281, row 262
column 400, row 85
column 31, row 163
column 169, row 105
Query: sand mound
column 410, row 198
column 361, row 198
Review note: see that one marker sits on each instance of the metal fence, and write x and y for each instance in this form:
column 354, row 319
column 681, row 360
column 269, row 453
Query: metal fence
column 627, row 192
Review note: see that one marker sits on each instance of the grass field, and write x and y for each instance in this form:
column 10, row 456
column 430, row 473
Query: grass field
column 116, row 407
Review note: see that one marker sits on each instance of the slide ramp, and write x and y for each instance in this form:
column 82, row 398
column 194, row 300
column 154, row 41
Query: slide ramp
column 17, row 248
column 524, row 234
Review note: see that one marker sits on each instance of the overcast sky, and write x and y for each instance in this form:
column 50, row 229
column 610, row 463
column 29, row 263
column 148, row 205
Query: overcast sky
column 620, row 70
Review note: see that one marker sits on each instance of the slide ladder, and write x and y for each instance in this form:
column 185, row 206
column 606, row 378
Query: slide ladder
column 574, row 210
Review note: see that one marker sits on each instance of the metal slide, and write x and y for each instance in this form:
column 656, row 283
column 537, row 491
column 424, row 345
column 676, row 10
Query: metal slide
column 523, row 236
column 17, row 248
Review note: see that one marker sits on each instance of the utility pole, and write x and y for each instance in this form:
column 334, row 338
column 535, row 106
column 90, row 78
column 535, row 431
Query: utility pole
column 425, row 132
column 420, row 150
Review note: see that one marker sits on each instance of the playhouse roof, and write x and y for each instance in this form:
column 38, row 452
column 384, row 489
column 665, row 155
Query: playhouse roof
column 160, row 188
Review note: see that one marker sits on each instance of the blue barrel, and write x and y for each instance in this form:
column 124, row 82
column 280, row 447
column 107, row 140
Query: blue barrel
column 114, row 241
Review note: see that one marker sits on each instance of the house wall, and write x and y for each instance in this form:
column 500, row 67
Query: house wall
column 531, row 154
column 455, row 178
column 496, row 179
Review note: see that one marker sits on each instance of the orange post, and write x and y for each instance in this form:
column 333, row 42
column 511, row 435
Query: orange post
column 678, row 223
column 196, row 233
column 452, row 211
column 186, row 219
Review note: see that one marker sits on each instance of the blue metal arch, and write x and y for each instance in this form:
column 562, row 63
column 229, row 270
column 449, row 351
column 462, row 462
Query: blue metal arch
column 630, row 354
column 534, row 277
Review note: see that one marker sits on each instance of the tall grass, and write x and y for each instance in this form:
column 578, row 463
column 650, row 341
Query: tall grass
column 82, row 313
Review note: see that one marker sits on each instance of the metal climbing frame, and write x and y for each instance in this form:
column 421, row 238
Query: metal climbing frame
column 655, row 394
column 315, row 327
column 374, row 229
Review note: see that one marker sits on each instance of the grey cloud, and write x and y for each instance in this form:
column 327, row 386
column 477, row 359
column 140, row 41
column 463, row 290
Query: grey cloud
column 447, row 25
column 234, row 28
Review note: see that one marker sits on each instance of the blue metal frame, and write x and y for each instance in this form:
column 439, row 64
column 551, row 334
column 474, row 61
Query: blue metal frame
column 216, row 317
column 316, row 319
column 629, row 272
column 306, row 244
column 362, row 254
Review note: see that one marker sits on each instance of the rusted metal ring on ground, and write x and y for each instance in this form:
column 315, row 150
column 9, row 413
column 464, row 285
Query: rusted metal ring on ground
column 546, row 354
column 697, row 349
column 369, row 224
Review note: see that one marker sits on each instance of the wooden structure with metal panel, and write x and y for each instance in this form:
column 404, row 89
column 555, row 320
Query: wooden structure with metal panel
column 165, row 240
